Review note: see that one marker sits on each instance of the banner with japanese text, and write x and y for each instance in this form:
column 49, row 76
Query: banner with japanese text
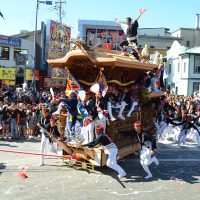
column 7, row 73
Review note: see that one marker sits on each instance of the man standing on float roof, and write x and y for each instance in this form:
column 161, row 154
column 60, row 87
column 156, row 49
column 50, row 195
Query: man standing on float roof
column 130, row 30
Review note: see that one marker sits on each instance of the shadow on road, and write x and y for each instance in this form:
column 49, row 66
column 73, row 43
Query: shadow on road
column 109, row 172
column 8, row 145
column 186, row 171
column 2, row 167
column 22, row 140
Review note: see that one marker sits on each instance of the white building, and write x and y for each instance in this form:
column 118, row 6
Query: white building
column 154, row 31
column 184, row 69
column 9, row 48
column 190, row 36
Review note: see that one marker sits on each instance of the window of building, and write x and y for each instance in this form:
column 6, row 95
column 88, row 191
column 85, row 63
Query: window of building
column 197, row 64
column 152, row 47
column 17, row 51
column 170, row 68
column 196, row 86
column 184, row 67
column 4, row 53
column 178, row 70
column 187, row 43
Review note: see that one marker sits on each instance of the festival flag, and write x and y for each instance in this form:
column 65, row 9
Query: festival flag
column 143, row 10
column 72, row 84
column 1, row 15
column 102, row 83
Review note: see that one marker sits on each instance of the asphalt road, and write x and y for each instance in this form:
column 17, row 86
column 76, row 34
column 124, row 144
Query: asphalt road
column 177, row 176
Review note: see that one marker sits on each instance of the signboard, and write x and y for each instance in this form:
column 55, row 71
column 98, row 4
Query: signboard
column 102, row 37
column 54, row 83
column 58, row 73
column 7, row 73
column 8, row 82
column 29, row 74
column 58, row 40
column 10, row 41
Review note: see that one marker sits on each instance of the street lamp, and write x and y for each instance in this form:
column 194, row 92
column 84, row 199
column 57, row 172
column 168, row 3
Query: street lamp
column 35, row 35
column 25, row 55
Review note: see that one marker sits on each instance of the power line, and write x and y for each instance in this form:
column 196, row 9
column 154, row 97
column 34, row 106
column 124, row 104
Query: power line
column 1, row 15
column 61, row 11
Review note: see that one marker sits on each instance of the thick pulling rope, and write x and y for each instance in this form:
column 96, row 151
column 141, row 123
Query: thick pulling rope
column 37, row 154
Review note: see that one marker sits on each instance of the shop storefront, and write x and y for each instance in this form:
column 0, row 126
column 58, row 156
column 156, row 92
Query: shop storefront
column 13, row 72
column 7, row 76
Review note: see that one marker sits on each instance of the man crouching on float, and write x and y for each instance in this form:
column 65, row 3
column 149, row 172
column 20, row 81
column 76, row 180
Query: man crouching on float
column 109, row 148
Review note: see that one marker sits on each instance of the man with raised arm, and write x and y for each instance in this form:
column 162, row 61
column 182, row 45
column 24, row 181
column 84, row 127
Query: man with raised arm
column 130, row 29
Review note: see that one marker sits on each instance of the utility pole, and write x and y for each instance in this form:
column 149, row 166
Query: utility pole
column 197, row 31
column 35, row 37
column 61, row 12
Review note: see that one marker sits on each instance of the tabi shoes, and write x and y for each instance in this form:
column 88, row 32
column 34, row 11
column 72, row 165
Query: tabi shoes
column 41, row 164
column 121, row 176
column 121, row 117
column 112, row 119
column 128, row 115
column 148, row 176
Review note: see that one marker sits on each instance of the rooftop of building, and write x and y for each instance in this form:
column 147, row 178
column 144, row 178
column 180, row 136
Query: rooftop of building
column 159, row 36
column 186, row 29
column 25, row 34
column 113, row 23
column 193, row 51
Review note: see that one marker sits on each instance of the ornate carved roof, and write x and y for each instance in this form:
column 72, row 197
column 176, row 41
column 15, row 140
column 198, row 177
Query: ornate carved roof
column 100, row 57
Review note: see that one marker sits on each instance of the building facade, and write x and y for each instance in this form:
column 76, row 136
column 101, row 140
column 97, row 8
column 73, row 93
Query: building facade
column 52, row 41
column 12, row 72
column 184, row 69
column 102, row 33
column 190, row 36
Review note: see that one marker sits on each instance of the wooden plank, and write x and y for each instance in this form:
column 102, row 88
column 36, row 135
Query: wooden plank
column 89, row 152
column 88, row 53
column 61, row 144
column 104, row 158
column 80, row 152
column 125, row 151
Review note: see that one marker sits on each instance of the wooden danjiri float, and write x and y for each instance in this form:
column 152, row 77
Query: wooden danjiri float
column 85, row 63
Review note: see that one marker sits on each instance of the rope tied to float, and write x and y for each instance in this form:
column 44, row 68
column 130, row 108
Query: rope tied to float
column 70, row 157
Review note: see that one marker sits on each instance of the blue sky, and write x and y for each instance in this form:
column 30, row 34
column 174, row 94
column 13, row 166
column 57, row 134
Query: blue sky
column 20, row 14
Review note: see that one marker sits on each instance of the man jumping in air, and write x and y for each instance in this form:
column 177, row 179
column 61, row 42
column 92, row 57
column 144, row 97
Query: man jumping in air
column 130, row 30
